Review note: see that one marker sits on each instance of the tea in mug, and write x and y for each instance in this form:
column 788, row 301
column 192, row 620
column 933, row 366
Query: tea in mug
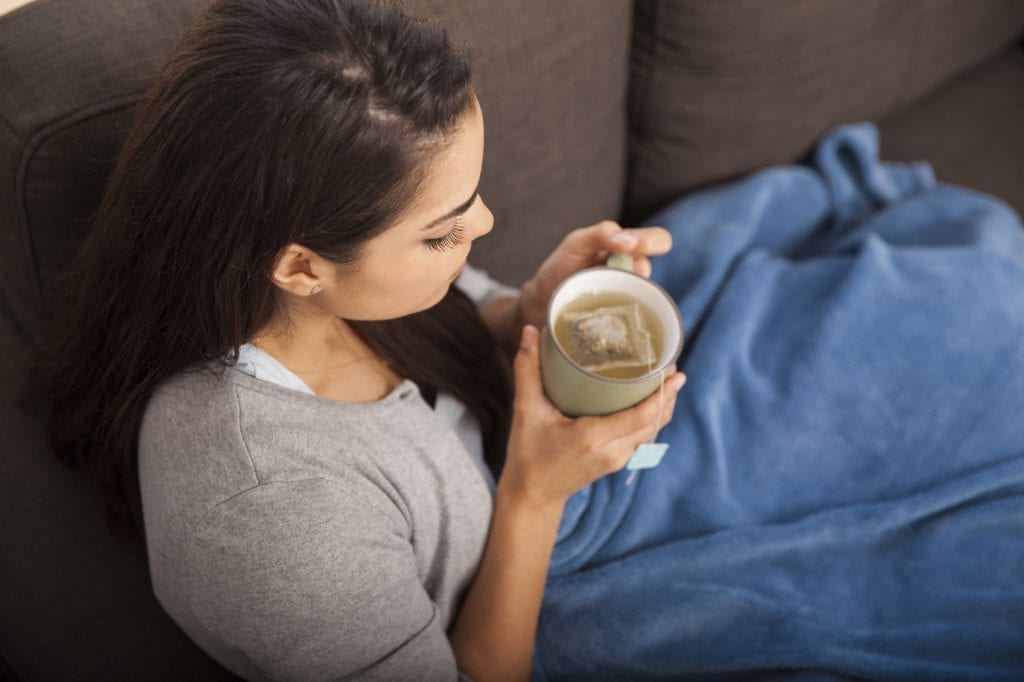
column 611, row 335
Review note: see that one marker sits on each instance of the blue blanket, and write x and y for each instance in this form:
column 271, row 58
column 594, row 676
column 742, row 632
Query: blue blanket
column 844, row 492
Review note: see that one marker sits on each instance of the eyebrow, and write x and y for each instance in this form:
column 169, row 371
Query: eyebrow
column 455, row 212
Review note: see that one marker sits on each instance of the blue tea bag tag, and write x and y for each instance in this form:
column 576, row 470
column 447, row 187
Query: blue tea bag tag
column 647, row 456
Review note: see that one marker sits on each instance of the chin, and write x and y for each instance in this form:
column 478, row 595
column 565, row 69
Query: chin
column 440, row 296
column 426, row 304
column 382, row 315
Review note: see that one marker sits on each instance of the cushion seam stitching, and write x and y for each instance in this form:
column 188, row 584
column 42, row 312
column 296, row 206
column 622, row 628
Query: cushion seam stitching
column 33, row 145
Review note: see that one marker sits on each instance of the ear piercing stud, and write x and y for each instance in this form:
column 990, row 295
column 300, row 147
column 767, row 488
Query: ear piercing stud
column 315, row 290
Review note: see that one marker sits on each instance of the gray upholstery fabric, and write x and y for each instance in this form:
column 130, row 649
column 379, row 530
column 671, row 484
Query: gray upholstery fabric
column 551, row 78
column 972, row 131
column 77, row 604
column 69, row 78
column 722, row 88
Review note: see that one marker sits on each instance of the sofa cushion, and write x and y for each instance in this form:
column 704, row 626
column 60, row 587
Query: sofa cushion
column 69, row 80
column 972, row 131
column 723, row 88
column 77, row 603
column 551, row 78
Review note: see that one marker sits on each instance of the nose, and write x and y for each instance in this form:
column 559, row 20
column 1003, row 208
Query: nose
column 482, row 221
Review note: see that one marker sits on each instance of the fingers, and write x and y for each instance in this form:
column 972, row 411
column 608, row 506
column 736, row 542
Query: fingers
column 651, row 414
column 656, row 410
column 638, row 241
column 642, row 266
column 641, row 421
column 591, row 244
column 649, row 241
column 587, row 244
column 649, row 420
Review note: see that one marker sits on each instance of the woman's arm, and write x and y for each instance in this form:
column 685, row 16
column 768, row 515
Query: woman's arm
column 550, row 457
column 495, row 631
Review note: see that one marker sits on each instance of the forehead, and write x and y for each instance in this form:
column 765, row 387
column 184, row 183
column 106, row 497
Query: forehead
column 451, row 174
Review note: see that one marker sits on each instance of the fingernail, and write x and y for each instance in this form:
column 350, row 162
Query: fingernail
column 680, row 381
column 624, row 239
column 526, row 338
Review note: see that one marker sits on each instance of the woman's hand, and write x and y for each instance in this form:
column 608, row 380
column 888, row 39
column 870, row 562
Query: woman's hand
column 584, row 248
column 551, row 456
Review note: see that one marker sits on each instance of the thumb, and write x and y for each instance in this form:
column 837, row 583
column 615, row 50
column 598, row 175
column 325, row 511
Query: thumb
column 527, row 366
column 607, row 235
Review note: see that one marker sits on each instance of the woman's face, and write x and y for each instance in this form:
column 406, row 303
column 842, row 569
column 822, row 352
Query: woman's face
column 409, row 267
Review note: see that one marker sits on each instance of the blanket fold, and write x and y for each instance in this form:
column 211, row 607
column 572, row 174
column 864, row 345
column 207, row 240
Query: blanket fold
column 844, row 492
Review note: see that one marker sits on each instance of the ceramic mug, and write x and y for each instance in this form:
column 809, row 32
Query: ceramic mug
column 576, row 391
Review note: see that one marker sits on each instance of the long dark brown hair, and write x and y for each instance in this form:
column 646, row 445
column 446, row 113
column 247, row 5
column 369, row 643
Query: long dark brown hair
column 273, row 122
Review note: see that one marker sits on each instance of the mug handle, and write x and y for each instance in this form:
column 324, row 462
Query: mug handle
column 620, row 261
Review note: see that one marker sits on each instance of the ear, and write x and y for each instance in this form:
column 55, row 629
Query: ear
column 300, row 271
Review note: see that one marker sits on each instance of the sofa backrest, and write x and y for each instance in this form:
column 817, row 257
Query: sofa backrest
column 552, row 82
column 719, row 89
column 551, row 78
column 70, row 76
column 76, row 602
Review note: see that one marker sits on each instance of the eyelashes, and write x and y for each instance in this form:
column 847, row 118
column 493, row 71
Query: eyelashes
column 450, row 240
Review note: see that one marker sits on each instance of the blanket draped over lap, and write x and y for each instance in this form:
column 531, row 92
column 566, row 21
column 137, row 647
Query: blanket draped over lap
column 844, row 492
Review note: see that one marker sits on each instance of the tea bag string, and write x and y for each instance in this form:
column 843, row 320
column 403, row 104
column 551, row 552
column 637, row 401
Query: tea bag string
column 661, row 412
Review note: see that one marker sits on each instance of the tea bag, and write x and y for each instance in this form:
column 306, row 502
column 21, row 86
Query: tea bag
column 609, row 337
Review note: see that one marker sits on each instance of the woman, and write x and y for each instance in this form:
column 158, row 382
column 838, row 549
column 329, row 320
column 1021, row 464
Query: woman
column 264, row 317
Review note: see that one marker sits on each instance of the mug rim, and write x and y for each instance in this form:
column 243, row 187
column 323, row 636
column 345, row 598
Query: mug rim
column 674, row 357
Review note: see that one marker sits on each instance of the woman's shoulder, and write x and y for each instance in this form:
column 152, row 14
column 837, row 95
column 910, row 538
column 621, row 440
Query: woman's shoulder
column 222, row 428
column 328, row 499
column 191, row 453
column 192, row 389
column 208, row 435
column 212, row 396
column 311, row 559
column 215, row 382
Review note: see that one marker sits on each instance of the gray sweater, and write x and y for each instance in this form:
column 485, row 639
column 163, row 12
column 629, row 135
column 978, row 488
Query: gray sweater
column 294, row 537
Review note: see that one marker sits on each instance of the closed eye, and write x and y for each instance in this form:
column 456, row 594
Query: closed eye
column 450, row 240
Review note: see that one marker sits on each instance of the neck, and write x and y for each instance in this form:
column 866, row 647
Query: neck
column 327, row 354
column 306, row 341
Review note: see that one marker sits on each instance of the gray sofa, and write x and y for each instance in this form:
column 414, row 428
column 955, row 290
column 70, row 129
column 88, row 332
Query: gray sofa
column 594, row 109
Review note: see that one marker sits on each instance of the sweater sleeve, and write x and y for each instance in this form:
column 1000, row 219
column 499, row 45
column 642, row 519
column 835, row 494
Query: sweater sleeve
column 308, row 579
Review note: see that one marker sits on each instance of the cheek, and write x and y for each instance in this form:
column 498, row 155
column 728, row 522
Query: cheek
column 416, row 275
column 394, row 279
